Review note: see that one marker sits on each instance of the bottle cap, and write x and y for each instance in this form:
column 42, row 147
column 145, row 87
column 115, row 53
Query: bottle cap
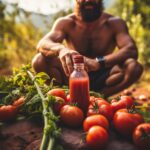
column 78, row 59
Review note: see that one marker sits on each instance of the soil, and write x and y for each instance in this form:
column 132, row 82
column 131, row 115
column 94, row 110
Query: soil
column 26, row 135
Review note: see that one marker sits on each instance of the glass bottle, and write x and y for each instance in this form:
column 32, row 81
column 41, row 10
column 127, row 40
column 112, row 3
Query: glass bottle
column 79, row 84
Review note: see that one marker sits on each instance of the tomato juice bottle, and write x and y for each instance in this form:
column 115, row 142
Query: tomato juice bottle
column 79, row 84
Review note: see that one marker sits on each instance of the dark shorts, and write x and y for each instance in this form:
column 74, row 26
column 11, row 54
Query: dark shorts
column 98, row 78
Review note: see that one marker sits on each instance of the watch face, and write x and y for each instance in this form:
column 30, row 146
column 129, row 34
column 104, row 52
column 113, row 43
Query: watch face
column 101, row 60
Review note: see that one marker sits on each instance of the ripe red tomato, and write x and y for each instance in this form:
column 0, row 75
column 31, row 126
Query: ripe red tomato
column 8, row 112
column 68, row 98
column 93, row 110
column 94, row 99
column 19, row 102
column 141, row 136
column 58, row 92
column 107, row 111
column 97, row 138
column 125, row 122
column 71, row 116
column 124, row 102
column 95, row 120
column 101, row 101
column 101, row 107
column 60, row 102
column 61, row 99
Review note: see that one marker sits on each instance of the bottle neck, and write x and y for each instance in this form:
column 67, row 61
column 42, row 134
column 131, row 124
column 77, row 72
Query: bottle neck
column 79, row 66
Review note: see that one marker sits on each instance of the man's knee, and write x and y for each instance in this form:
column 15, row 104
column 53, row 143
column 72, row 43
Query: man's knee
column 39, row 63
column 133, row 69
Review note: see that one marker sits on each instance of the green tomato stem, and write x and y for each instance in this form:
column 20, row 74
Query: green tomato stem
column 51, row 144
column 46, row 140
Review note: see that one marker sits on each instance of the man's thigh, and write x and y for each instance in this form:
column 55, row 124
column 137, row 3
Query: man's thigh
column 98, row 78
column 106, row 77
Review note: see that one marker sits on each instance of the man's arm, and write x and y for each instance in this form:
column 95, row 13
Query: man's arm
column 51, row 44
column 126, row 45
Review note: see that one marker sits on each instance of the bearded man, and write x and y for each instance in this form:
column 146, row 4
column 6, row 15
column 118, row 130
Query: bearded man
column 90, row 32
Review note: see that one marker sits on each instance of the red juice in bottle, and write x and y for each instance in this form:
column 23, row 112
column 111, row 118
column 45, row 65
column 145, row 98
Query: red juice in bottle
column 79, row 84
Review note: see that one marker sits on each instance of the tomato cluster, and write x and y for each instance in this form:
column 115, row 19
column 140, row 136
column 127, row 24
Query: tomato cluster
column 122, row 102
column 61, row 99
column 96, row 122
column 120, row 112
column 70, row 115
column 9, row 112
column 100, row 106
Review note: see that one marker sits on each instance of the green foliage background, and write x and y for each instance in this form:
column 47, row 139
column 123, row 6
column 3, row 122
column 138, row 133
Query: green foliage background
column 136, row 13
column 19, row 36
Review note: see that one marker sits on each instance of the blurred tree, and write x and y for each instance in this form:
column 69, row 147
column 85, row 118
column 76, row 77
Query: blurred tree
column 143, row 7
column 18, row 37
column 2, row 8
column 134, row 13
column 4, row 61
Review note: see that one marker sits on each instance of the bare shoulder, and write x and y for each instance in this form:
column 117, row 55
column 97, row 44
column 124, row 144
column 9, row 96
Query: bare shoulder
column 116, row 23
column 65, row 22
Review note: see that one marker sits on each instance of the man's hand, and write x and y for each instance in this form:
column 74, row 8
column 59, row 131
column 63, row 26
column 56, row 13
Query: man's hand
column 91, row 64
column 65, row 56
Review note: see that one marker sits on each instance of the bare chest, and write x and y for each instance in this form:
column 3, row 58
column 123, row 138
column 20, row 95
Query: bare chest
column 91, row 41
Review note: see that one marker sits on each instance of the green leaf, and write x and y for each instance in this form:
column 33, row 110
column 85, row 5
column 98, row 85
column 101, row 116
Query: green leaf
column 41, row 78
column 35, row 99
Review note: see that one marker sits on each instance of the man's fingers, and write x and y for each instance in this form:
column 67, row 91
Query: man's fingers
column 65, row 57
column 64, row 65
column 69, row 63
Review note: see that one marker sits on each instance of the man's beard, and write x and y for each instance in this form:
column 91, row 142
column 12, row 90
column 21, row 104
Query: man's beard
column 89, row 15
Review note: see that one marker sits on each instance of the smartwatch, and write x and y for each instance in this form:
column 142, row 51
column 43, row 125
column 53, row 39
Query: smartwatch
column 101, row 61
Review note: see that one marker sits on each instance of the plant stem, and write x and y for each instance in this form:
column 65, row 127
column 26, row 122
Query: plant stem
column 51, row 143
column 46, row 140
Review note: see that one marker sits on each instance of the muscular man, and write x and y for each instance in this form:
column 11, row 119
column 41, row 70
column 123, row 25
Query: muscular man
column 94, row 34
